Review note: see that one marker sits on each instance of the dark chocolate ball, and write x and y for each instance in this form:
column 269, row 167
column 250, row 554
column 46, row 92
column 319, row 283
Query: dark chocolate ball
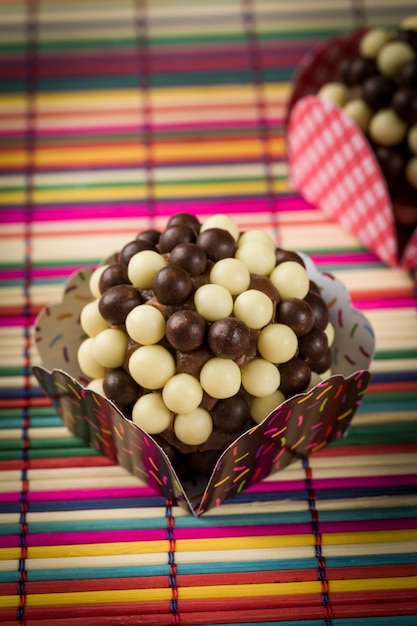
column 120, row 387
column 404, row 103
column 217, row 243
column 172, row 285
column 361, row 69
column 344, row 70
column 409, row 36
column 313, row 345
column 132, row 248
column 115, row 303
column 392, row 163
column 231, row 415
column 297, row 314
column 228, row 338
column 184, row 219
column 185, row 330
column 115, row 274
column 295, row 376
column 151, row 235
column 203, row 461
column 322, row 365
column 190, row 257
column 320, row 310
column 407, row 76
column 174, row 235
column 282, row 255
column 377, row 91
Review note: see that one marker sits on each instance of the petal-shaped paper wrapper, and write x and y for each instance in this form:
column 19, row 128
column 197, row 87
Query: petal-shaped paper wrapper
column 332, row 164
column 299, row 426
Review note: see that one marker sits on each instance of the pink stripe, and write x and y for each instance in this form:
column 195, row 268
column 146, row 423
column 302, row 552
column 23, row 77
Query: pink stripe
column 11, row 321
column 345, row 258
column 337, row 483
column 159, row 534
column 386, row 303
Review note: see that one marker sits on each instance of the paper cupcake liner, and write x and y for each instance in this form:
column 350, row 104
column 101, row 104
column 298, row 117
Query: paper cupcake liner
column 332, row 164
column 296, row 428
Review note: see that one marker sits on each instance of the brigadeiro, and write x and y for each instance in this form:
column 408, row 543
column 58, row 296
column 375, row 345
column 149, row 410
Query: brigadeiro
column 208, row 329
column 376, row 86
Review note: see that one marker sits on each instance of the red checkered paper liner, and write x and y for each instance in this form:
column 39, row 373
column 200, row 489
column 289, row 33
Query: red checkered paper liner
column 333, row 167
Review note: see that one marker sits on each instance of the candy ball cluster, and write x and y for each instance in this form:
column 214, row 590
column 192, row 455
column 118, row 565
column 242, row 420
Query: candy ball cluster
column 198, row 331
column 377, row 88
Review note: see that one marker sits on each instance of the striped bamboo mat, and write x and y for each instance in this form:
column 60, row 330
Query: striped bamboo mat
column 114, row 115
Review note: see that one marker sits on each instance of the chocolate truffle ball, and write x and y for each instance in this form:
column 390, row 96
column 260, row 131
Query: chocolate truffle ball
column 185, row 330
column 313, row 345
column 132, row 248
column 229, row 338
column 172, row 285
column 120, row 387
column 231, row 414
column 320, row 310
column 151, row 236
column 173, row 236
column 297, row 314
column 217, row 243
column 190, row 257
column 185, row 219
column 117, row 301
column 295, row 376
column 115, row 274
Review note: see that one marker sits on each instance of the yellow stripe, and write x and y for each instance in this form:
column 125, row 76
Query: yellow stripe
column 133, row 192
column 136, row 154
column 197, row 545
column 211, row 591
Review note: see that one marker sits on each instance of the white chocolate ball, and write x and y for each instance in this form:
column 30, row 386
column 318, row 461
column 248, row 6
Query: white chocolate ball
column 412, row 139
column 193, row 428
column 220, row 378
column 256, row 234
column 95, row 279
column 143, row 266
column 258, row 258
column 254, row 308
column 151, row 366
column 333, row 92
column 411, row 172
column 261, row 407
column 330, row 332
column 386, row 128
column 145, row 324
column 373, row 41
column 213, row 302
column 231, row 274
column 109, row 347
column 182, row 393
column 87, row 362
column 221, row 221
column 409, row 22
column 151, row 414
column 291, row 280
column 91, row 320
column 277, row 343
column 393, row 56
column 261, row 378
column 359, row 112
column 96, row 385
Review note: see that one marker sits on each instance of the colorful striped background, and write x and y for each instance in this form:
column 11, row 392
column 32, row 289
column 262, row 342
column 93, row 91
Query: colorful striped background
column 113, row 116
